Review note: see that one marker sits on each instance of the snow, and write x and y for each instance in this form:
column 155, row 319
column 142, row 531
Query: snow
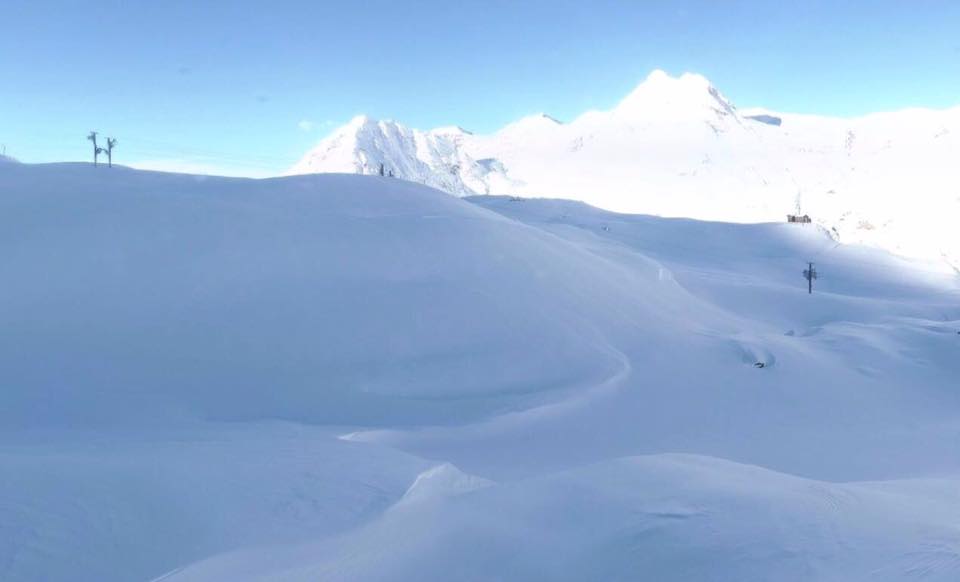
column 661, row 97
column 371, row 305
column 675, row 146
column 343, row 377
column 363, row 145
column 132, row 504
column 444, row 480
column 686, row 521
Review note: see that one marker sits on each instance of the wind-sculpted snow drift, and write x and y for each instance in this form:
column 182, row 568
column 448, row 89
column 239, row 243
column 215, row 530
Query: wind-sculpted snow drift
column 309, row 298
column 340, row 377
column 678, row 147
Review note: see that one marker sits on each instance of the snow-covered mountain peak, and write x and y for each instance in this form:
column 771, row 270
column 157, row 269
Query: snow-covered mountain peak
column 359, row 120
column 663, row 96
column 675, row 146
column 434, row 157
column 359, row 124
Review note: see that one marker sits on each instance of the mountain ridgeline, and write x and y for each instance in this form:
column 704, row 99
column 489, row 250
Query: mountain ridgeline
column 676, row 146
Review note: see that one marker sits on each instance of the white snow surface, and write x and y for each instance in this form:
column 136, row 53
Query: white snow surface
column 342, row 377
column 675, row 146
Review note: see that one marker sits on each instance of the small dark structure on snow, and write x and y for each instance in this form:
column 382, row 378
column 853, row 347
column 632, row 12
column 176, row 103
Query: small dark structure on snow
column 97, row 150
column 810, row 273
column 799, row 218
column 109, row 149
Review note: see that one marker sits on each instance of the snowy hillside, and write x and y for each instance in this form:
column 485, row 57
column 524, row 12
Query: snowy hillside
column 678, row 147
column 435, row 158
column 341, row 377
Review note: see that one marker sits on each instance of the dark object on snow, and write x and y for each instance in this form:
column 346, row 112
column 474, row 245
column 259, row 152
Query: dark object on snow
column 799, row 218
column 759, row 365
column 381, row 169
column 768, row 119
column 97, row 150
column 810, row 273
column 109, row 149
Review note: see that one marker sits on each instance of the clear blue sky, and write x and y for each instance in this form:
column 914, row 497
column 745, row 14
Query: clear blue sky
column 229, row 84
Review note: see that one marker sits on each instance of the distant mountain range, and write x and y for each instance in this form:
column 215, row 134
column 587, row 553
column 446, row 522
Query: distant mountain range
column 675, row 146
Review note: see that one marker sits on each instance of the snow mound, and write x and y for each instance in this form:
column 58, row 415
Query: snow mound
column 664, row 517
column 124, row 505
column 331, row 298
column 444, row 480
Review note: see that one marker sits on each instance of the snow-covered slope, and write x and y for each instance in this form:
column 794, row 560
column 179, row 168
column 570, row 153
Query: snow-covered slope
column 678, row 147
column 339, row 377
column 435, row 158
column 664, row 517
column 375, row 300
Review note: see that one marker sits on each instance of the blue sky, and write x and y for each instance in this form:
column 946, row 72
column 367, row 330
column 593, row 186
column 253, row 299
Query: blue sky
column 247, row 87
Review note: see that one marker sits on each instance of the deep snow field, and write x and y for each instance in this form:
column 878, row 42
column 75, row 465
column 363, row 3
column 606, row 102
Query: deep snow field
column 338, row 377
